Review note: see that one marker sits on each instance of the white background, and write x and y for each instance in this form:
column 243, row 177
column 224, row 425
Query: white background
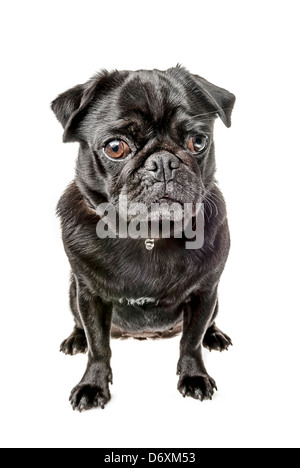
column 252, row 49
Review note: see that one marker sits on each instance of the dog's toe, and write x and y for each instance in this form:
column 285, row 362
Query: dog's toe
column 86, row 397
column 199, row 387
column 75, row 344
column 216, row 340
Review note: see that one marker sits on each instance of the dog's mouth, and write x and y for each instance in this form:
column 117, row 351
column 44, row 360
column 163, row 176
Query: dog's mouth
column 187, row 208
column 169, row 201
column 161, row 218
column 162, row 208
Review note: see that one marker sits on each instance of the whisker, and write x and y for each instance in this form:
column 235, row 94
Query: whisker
column 217, row 211
column 210, row 208
column 217, row 197
column 209, row 198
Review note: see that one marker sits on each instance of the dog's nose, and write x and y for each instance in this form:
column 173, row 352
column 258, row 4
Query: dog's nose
column 162, row 166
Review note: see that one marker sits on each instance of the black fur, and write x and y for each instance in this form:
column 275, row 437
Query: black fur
column 112, row 279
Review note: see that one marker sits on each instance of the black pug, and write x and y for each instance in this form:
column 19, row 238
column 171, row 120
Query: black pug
column 147, row 135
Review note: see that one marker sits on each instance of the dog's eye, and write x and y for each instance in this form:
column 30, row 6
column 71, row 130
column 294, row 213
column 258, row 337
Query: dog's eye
column 117, row 149
column 197, row 144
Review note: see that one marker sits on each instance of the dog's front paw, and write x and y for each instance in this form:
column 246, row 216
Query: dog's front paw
column 76, row 343
column 216, row 340
column 93, row 390
column 197, row 386
column 85, row 397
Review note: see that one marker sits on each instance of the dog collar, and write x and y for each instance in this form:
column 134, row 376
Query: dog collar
column 149, row 243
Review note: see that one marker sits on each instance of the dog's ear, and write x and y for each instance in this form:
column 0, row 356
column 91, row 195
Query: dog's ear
column 69, row 108
column 222, row 100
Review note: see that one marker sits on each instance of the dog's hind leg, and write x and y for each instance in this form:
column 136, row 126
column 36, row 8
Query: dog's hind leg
column 76, row 343
column 214, row 338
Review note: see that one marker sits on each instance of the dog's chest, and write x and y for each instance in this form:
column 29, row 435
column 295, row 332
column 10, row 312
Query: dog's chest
column 132, row 275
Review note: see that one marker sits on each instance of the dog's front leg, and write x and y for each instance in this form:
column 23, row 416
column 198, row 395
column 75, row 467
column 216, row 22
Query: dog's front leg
column 93, row 389
column 194, row 380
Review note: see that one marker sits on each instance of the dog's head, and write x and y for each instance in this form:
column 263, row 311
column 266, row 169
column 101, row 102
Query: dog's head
column 146, row 134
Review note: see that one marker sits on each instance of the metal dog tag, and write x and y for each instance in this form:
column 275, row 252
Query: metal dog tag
column 149, row 243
